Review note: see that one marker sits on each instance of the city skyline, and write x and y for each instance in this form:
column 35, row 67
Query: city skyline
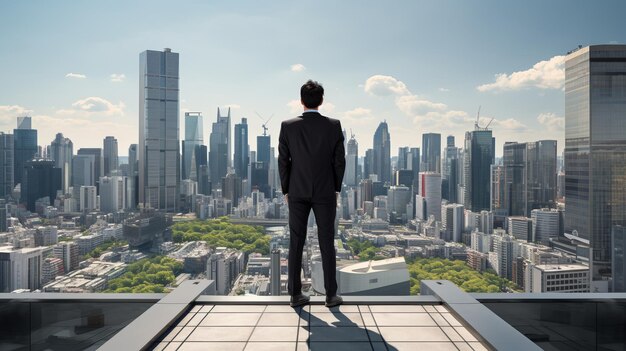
column 413, row 88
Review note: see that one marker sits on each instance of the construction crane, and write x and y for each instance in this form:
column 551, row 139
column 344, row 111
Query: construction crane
column 477, row 125
column 265, row 122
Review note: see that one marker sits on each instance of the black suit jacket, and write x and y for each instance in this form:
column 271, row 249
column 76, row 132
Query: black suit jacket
column 311, row 156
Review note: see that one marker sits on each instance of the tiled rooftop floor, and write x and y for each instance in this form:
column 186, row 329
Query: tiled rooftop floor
column 315, row 327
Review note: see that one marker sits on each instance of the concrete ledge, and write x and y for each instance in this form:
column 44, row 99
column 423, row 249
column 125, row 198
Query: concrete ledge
column 141, row 333
column 317, row 300
column 487, row 326
column 79, row 297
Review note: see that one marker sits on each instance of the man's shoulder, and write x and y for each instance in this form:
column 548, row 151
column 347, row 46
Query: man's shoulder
column 291, row 121
column 333, row 121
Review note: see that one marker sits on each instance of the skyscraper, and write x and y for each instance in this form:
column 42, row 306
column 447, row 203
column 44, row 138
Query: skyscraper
column 479, row 155
column 6, row 164
column 403, row 153
column 428, row 202
column 41, row 179
column 193, row 138
column 263, row 143
column 368, row 163
column 61, row 151
column 110, row 155
column 231, row 188
column 159, row 143
column 352, row 162
column 98, row 165
column 133, row 175
column 529, row 176
column 382, row 153
column 452, row 220
column 450, row 171
column 83, row 170
column 219, row 151
column 431, row 153
column 25, row 146
column 242, row 149
column 595, row 151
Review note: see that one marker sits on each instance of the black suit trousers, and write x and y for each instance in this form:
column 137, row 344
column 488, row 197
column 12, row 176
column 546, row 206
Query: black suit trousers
column 325, row 211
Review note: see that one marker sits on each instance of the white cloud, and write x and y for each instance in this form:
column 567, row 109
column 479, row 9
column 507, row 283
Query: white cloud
column 327, row 108
column 8, row 114
column 118, row 77
column 380, row 85
column 358, row 112
column 510, row 124
column 552, row 121
column 94, row 104
column 444, row 90
column 75, row 75
column 411, row 104
column 295, row 106
column 429, row 115
column 298, row 67
column 548, row 74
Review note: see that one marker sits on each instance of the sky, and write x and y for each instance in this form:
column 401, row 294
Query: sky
column 423, row 66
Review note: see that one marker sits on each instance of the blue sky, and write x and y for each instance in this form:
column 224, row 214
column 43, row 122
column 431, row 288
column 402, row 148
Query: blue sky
column 422, row 66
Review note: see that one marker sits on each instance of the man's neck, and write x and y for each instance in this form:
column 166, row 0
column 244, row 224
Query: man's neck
column 310, row 110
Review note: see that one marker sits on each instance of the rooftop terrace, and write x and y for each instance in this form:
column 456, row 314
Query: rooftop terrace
column 190, row 318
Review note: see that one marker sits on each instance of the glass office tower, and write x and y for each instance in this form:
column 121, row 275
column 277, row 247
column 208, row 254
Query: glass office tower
column 219, row 150
column 25, row 146
column 159, row 143
column 242, row 149
column 477, row 161
column 193, row 138
column 595, row 151
column 110, row 155
column 382, row 153
column 431, row 152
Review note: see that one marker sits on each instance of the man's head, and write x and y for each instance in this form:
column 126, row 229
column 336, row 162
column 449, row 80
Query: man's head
column 312, row 94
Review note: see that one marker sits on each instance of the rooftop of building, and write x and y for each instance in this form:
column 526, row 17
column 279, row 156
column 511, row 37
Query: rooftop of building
column 190, row 318
column 551, row 268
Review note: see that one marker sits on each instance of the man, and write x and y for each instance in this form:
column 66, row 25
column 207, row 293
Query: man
column 311, row 163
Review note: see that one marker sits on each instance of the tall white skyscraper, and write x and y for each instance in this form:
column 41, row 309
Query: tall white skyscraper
column 159, row 142
column 429, row 196
column 352, row 162
column 62, row 150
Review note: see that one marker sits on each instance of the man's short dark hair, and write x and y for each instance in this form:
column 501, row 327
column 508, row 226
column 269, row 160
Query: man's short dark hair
column 312, row 94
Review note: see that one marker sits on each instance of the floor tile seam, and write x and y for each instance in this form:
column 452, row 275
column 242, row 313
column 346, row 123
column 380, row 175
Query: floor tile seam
column 254, row 328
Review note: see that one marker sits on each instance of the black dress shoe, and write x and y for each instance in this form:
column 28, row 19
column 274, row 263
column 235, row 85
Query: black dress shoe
column 333, row 301
column 298, row 300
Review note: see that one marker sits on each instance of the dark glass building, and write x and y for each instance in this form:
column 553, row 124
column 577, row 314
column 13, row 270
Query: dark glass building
column 24, row 147
column 40, row 179
column 6, row 164
column 479, row 155
column 595, row 151
column 382, row 153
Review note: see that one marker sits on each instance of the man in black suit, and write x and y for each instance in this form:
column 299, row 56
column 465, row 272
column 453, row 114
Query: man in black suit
column 311, row 162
